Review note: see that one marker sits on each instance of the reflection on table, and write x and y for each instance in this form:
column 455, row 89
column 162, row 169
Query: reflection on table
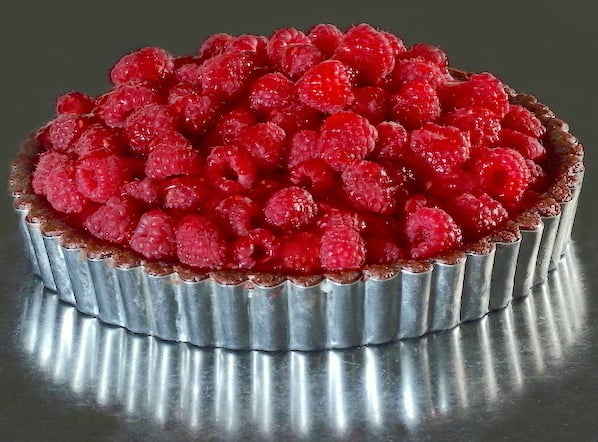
column 345, row 392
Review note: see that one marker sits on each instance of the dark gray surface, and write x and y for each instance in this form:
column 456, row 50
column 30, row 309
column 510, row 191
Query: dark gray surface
column 530, row 382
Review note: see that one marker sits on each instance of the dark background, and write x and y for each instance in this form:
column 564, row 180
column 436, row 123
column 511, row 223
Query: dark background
column 546, row 48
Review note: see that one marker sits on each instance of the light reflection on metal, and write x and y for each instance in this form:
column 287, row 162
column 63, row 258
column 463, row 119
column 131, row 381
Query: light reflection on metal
column 299, row 393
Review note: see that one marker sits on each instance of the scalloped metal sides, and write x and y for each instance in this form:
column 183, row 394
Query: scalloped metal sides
column 293, row 317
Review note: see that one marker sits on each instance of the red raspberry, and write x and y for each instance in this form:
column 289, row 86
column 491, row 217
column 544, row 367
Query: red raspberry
column 146, row 64
column 200, row 243
column 448, row 185
column 368, row 187
column 300, row 253
column 144, row 190
column 415, row 104
column 329, row 216
column 48, row 161
column 291, row 208
column 250, row 43
column 74, row 103
column 396, row 44
column 154, row 235
column 430, row 53
column 145, row 124
column 271, row 91
column 346, row 137
column 232, row 123
column 115, row 221
column 239, row 212
column 370, row 102
column 296, row 59
column 325, row 87
column 196, row 112
column 480, row 90
column 172, row 154
column 392, row 141
column 416, row 202
column 101, row 174
column 527, row 146
column 256, row 250
column 368, row 52
column 522, row 120
column 214, row 45
column 314, row 175
column 231, row 169
column 482, row 124
column 282, row 38
column 342, row 249
column 265, row 143
column 189, row 73
column 98, row 137
column 115, row 106
column 326, row 38
column 54, row 176
column 403, row 177
column 412, row 69
column 66, row 129
column 502, row 173
column 185, row 193
column 477, row 215
column 226, row 76
column 303, row 147
column 383, row 251
column 440, row 149
column 431, row 232
column 537, row 176
column 295, row 117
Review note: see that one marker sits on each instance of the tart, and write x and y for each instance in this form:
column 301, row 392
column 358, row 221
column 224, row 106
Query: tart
column 310, row 190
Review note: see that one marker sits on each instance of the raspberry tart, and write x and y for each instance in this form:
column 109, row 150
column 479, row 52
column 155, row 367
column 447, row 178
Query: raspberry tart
column 307, row 190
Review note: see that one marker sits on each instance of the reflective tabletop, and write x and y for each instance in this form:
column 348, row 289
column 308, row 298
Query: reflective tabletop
column 527, row 372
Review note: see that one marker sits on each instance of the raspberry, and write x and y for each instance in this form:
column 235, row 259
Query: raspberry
column 416, row 202
column 325, row 87
column 392, row 141
column 231, row 169
column 431, row 232
column 154, row 235
column 294, row 117
column 370, row 102
column 383, row 251
column 74, row 103
column 226, row 76
column 439, row 149
column 342, row 249
column 146, row 123
column 250, row 43
column 329, row 216
column 54, row 177
column 66, row 129
column 448, row 185
column 502, row 173
column 265, row 143
column 477, row 215
column 537, row 175
column 314, row 175
column 291, row 208
column 415, row 104
column 302, row 147
column 396, row 44
column 326, row 38
column 147, row 64
column 271, row 91
column 296, row 59
column 430, row 53
column 214, row 45
column 368, row 187
column 300, row 252
column 368, row 52
column 189, row 73
column 98, row 137
column 282, row 38
column 527, row 146
column 115, row 106
column 522, row 120
column 115, row 221
column 256, row 249
column 200, row 243
column 480, row 90
column 239, row 212
column 172, row 154
column 412, row 69
column 346, row 137
column 101, row 174
column 185, row 193
column 144, row 190
column 232, row 123
column 196, row 112
column 482, row 124
column 48, row 161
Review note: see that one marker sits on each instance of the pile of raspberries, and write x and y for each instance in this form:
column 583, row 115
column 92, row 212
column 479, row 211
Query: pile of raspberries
column 298, row 153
